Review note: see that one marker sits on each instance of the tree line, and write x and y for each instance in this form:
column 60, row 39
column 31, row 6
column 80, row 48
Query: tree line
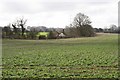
column 80, row 27
column 111, row 29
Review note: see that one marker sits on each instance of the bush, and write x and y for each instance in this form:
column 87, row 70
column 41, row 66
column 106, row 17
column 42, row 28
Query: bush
column 42, row 37
column 87, row 31
column 53, row 35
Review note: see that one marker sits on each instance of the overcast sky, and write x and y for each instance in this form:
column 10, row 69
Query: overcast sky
column 58, row 13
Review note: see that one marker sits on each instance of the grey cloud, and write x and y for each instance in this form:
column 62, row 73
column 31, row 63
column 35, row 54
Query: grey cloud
column 98, row 3
column 15, row 7
column 59, row 6
column 26, row 7
column 119, row 13
column 48, row 7
column 70, row 6
column 77, row 0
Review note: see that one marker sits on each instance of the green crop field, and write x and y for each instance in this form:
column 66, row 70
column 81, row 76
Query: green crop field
column 89, row 57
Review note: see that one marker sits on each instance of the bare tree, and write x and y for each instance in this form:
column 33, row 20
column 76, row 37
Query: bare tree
column 82, row 24
column 71, row 31
column 21, row 22
column 81, row 20
column 19, row 26
column 113, row 28
column 14, row 28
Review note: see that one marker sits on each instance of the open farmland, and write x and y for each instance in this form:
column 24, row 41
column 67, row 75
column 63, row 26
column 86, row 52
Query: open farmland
column 90, row 57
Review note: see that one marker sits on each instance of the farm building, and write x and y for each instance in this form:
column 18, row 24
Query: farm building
column 50, row 35
column 61, row 35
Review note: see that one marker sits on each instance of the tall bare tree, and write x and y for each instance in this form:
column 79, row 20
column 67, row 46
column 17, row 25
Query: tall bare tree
column 81, row 20
column 21, row 22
